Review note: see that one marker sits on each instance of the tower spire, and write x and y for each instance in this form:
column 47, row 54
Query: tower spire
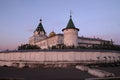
column 40, row 20
column 70, row 14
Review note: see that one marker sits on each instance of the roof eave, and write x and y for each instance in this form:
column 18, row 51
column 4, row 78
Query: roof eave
column 70, row 28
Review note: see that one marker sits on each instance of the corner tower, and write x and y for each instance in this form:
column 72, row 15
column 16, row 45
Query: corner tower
column 70, row 34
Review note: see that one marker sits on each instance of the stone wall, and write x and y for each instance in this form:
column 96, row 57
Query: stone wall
column 59, row 56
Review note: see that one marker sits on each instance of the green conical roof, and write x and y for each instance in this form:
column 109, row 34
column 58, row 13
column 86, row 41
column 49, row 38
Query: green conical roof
column 40, row 27
column 70, row 24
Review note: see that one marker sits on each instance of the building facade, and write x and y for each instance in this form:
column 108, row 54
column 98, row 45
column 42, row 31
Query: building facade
column 69, row 38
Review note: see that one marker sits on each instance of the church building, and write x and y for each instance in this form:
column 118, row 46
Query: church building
column 69, row 38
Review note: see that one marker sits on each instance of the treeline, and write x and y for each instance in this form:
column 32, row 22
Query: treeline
column 62, row 46
column 28, row 47
column 107, row 47
column 95, row 47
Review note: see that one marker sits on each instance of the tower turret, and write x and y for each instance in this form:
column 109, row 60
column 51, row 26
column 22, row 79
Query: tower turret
column 70, row 34
column 39, row 34
column 40, row 30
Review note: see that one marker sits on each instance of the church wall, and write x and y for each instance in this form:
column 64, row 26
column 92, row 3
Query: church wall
column 31, row 40
column 60, row 39
column 88, row 41
column 43, row 44
column 49, row 42
column 53, row 41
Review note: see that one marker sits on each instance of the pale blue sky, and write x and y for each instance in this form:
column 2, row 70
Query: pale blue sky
column 19, row 18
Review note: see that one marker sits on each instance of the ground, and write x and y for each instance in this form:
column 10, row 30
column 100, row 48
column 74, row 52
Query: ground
column 115, row 70
column 51, row 73
column 43, row 74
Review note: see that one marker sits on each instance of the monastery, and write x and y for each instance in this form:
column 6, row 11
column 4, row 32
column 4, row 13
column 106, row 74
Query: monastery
column 60, row 57
column 69, row 38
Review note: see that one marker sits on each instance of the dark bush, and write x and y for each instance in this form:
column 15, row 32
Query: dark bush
column 28, row 47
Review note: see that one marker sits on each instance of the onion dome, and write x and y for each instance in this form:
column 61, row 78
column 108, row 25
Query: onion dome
column 52, row 34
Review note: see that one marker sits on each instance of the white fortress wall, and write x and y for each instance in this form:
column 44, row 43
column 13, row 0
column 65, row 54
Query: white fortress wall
column 59, row 56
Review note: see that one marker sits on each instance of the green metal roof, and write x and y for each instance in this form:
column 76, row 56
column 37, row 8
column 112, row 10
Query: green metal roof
column 40, row 27
column 70, row 24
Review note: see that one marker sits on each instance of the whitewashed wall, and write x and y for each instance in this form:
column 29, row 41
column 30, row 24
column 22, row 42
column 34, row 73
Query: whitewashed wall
column 71, row 37
column 59, row 56
column 88, row 41
column 50, row 41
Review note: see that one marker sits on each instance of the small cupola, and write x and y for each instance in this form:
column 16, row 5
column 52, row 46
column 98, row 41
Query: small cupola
column 52, row 34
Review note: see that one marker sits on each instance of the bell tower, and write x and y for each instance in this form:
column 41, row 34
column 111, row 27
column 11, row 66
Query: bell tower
column 39, row 34
column 40, row 30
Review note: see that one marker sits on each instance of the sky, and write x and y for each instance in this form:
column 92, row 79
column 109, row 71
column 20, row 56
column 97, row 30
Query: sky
column 94, row 18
